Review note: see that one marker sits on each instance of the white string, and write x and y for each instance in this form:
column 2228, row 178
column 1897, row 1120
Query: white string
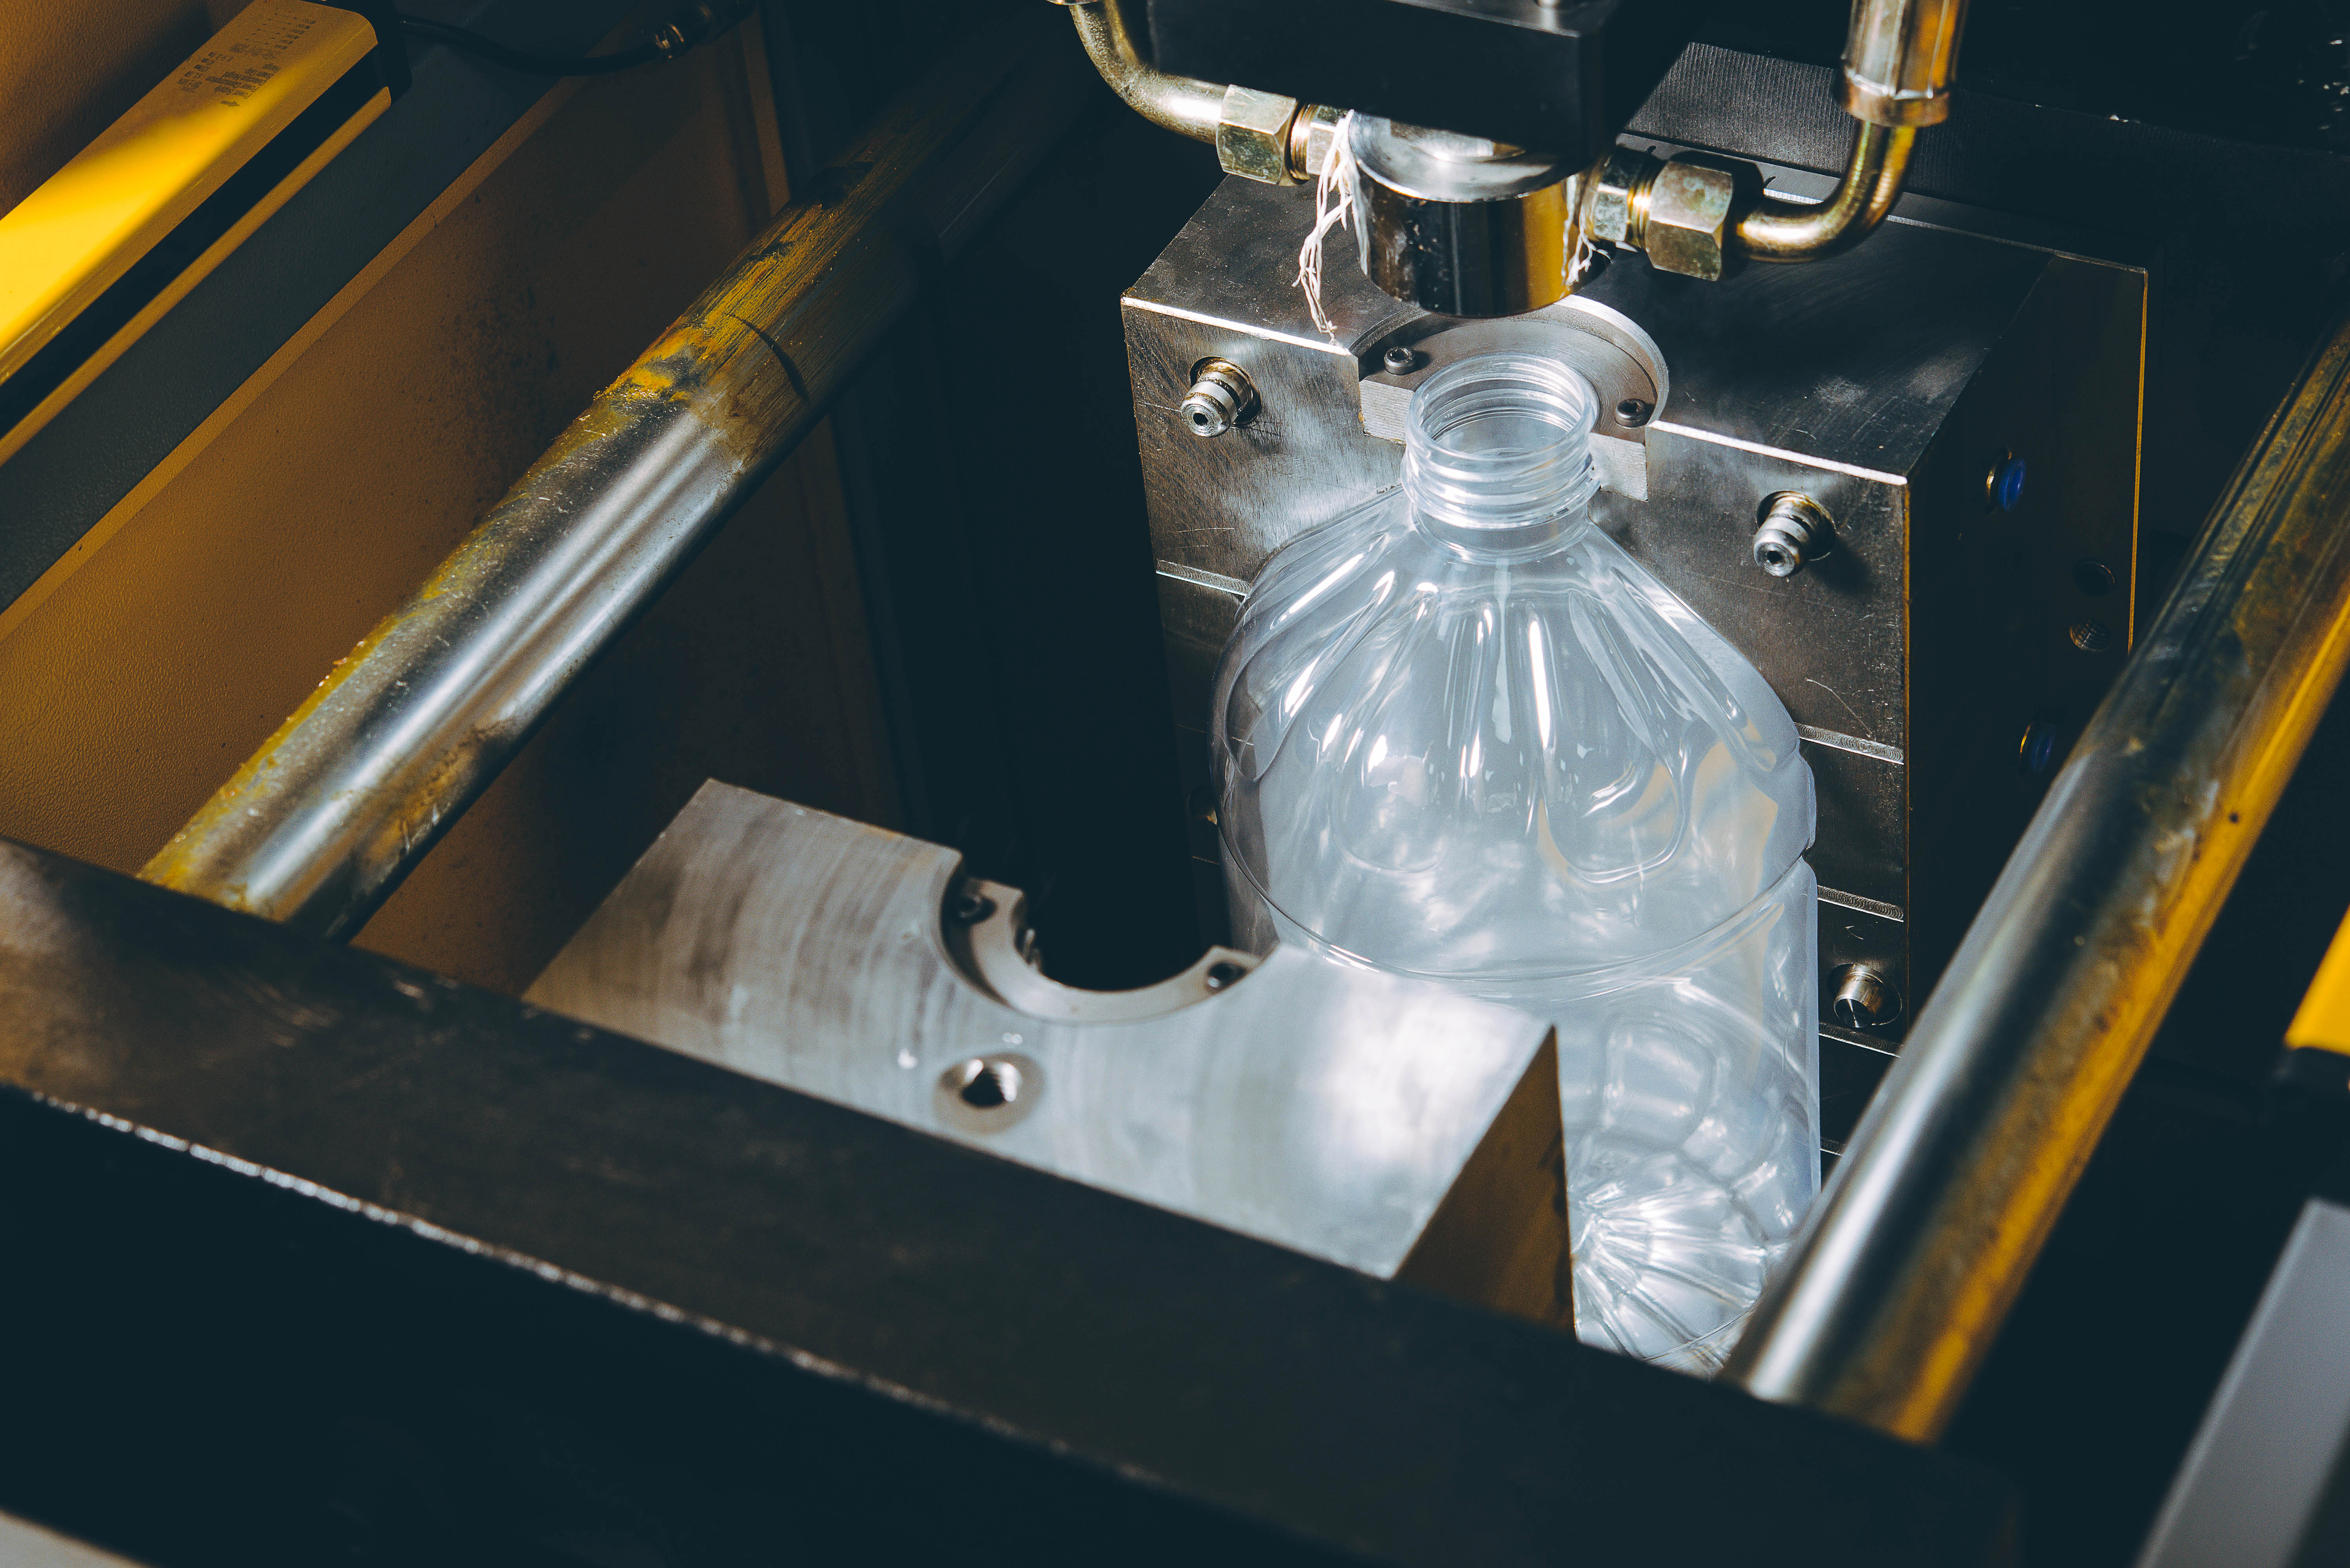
column 1334, row 206
column 1579, row 262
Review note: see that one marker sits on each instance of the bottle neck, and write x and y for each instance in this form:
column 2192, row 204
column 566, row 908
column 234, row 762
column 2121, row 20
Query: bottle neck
column 1497, row 456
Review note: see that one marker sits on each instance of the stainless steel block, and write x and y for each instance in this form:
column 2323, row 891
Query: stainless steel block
column 1379, row 1123
column 1889, row 386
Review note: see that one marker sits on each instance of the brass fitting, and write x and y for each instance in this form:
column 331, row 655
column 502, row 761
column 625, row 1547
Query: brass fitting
column 1618, row 208
column 1695, row 213
column 1310, row 135
column 1682, row 212
column 1690, row 217
column 1261, row 136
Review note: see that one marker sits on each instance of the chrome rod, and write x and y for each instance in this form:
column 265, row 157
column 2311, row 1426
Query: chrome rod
column 321, row 823
column 1909, row 1261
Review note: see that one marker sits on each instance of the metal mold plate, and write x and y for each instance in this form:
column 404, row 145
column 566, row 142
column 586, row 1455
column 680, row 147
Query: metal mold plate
column 1375, row 1122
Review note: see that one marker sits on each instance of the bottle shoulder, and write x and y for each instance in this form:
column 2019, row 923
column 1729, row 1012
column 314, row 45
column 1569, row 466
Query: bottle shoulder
column 1547, row 743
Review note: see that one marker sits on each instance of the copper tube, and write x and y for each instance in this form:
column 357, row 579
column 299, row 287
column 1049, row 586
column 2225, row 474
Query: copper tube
column 1910, row 1260
column 1179, row 104
column 1777, row 231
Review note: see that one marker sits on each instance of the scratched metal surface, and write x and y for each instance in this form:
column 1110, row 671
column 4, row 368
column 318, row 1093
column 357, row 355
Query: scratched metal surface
column 1325, row 1108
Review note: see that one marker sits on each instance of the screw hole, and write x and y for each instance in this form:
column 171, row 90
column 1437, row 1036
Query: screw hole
column 1224, row 973
column 2090, row 635
column 972, row 908
column 984, row 1084
column 2094, row 578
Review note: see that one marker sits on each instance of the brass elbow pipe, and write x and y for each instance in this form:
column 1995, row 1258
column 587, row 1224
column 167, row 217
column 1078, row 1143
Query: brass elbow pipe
column 1776, row 231
column 1180, row 104
column 1898, row 58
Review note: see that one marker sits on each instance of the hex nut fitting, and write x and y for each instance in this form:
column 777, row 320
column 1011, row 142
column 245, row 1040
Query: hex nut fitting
column 1222, row 395
column 1791, row 533
column 1253, row 135
column 1617, row 211
column 1689, row 219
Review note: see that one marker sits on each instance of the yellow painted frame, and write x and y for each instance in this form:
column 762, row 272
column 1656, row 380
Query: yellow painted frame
column 77, row 233
column 2323, row 1019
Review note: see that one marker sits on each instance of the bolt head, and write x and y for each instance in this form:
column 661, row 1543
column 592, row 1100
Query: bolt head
column 1398, row 360
column 1633, row 412
column 2004, row 487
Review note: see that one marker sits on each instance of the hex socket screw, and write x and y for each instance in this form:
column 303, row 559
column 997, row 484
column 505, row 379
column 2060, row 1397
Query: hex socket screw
column 1398, row 361
column 1791, row 533
column 1222, row 395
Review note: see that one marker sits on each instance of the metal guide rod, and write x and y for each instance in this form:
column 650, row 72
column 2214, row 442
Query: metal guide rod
column 1901, row 1279
column 321, row 823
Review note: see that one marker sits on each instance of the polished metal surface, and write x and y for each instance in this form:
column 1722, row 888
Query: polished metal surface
column 1793, row 534
column 1878, row 383
column 2255, row 1486
column 1461, row 225
column 322, row 822
column 1374, row 1121
column 1910, row 1261
column 1900, row 59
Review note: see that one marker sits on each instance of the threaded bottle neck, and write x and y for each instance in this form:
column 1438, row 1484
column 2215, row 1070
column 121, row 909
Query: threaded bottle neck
column 1497, row 454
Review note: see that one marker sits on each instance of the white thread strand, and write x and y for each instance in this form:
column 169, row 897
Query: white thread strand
column 1334, row 206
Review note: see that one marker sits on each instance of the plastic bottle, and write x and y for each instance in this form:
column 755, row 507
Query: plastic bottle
column 1460, row 734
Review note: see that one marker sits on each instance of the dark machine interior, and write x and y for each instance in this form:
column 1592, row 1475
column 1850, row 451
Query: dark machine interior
column 212, row 1368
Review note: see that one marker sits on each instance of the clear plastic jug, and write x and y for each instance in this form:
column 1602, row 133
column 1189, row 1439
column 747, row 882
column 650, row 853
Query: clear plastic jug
column 1460, row 734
